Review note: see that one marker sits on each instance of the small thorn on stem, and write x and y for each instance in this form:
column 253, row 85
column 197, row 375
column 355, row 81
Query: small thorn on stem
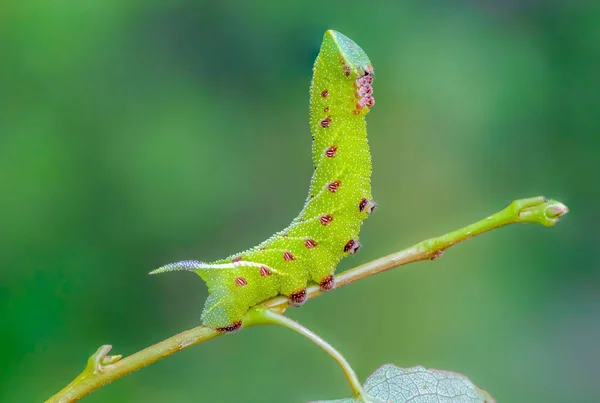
column 437, row 254
column 111, row 359
column 101, row 358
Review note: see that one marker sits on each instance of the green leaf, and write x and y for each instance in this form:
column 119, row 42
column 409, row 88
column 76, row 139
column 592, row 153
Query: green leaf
column 392, row 384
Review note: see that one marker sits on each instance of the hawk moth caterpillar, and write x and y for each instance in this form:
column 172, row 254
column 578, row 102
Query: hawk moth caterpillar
column 339, row 199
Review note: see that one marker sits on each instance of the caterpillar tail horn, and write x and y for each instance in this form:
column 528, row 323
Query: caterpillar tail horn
column 193, row 265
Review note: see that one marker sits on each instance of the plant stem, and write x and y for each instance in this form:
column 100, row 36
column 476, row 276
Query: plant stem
column 102, row 368
column 262, row 315
column 534, row 209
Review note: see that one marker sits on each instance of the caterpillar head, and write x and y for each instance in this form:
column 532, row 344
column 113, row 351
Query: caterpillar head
column 351, row 63
column 354, row 60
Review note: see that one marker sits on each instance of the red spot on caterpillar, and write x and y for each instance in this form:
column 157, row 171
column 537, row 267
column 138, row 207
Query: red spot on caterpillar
column 325, row 93
column 236, row 259
column 310, row 243
column 330, row 152
column 287, row 256
column 367, row 206
column 347, row 70
column 327, row 283
column 230, row 328
column 326, row 110
column 333, row 186
column 326, row 219
column 326, row 122
column 240, row 281
column 264, row 271
column 298, row 298
column 352, row 247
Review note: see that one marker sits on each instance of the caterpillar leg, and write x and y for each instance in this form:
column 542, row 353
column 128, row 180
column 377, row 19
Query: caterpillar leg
column 327, row 283
column 293, row 277
column 294, row 286
column 295, row 290
column 235, row 326
column 298, row 298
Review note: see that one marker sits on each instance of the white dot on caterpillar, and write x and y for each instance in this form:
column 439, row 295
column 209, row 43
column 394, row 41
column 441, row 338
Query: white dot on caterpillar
column 326, row 219
column 352, row 247
column 333, row 186
column 240, row 281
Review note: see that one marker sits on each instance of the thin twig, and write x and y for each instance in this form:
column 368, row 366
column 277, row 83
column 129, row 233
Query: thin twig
column 102, row 368
column 267, row 316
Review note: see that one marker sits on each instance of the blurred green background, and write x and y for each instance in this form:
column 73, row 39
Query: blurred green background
column 134, row 134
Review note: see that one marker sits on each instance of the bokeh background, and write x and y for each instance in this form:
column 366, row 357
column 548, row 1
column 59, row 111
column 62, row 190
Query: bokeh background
column 134, row 134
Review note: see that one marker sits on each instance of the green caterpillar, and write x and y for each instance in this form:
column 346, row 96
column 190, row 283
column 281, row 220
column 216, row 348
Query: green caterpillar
column 339, row 199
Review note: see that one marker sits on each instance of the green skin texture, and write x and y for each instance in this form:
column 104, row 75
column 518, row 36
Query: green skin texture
column 336, row 119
